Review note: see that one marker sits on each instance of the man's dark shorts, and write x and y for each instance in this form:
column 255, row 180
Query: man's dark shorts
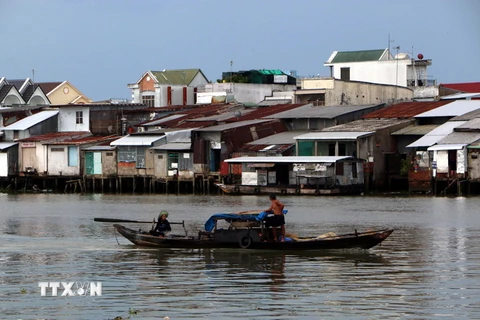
column 275, row 221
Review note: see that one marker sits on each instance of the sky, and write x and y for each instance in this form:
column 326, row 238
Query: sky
column 100, row 46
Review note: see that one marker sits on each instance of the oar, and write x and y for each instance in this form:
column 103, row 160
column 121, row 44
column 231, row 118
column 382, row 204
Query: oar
column 129, row 221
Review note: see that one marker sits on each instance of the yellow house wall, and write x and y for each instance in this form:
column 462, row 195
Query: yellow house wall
column 59, row 97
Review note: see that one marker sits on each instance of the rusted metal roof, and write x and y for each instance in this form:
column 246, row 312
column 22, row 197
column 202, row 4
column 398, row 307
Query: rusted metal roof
column 470, row 87
column 57, row 136
column 197, row 113
column 86, row 140
column 232, row 125
column 405, row 109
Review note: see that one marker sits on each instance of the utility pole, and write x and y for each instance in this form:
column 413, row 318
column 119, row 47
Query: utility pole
column 396, row 74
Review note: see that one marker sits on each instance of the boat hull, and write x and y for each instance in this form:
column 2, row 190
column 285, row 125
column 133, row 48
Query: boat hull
column 251, row 239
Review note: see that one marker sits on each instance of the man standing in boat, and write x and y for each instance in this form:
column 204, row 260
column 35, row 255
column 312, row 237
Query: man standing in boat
column 278, row 219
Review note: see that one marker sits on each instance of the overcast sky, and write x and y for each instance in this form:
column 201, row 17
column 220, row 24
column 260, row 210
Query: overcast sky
column 102, row 45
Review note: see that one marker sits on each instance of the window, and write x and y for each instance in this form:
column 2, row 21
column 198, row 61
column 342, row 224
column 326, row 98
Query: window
column 339, row 168
column 345, row 74
column 79, row 117
column 342, row 149
column 58, row 149
column 72, row 156
column 331, row 149
column 149, row 101
column 132, row 154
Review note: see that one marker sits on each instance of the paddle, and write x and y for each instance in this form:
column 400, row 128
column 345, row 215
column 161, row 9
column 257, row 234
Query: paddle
column 129, row 221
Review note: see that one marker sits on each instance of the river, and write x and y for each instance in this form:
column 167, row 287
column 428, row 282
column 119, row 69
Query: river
column 429, row 268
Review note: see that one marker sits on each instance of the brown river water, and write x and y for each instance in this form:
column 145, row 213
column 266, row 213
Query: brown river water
column 429, row 268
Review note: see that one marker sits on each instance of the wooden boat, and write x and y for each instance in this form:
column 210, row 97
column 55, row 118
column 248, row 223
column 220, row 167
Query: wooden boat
column 248, row 231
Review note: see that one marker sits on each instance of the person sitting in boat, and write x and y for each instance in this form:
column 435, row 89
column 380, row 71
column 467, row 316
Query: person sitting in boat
column 278, row 219
column 163, row 226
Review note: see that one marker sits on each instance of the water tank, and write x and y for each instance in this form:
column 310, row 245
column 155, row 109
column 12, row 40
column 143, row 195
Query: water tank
column 402, row 56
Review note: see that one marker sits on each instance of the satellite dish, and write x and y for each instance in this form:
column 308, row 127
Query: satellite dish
column 238, row 114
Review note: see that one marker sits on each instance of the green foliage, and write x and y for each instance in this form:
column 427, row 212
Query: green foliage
column 406, row 166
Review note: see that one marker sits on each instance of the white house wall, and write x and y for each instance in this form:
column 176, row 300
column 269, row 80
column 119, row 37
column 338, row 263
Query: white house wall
column 198, row 81
column 3, row 164
column 67, row 119
column 58, row 162
column 375, row 71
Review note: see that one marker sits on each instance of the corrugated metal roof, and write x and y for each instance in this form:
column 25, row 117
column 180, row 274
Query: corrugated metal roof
column 366, row 125
column 6, row 145
column 286, row 137
column 162, row 120
column 274, row 102
column 176, row 77
column 140, row 140
column 330, row 112
column 436, row 134
column 415, row 130
column 231, row 125
column 461, row 96
column 264, row 112
column 460, row 137
column 174, row 146
column 272, row 148
column 85, row 140
column 322, row 135
column 405, row 109
column 224, row 115
column 179, row 136
column 447, row 147
column 298, row 159
column 358, row 56
column 452, row 109
column 470, row 125
column 32, row 120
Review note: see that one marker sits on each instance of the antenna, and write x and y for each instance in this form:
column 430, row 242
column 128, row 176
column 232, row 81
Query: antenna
column 33, row 75
column 389, row 42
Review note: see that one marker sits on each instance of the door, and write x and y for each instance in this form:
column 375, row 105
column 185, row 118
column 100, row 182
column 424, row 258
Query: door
column 97, row 163
column 89, row 166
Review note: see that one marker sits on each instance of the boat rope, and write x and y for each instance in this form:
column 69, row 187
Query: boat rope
column 115, row 233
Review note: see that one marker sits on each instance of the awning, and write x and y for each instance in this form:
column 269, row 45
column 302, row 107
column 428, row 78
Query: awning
column 447, row 147
column 174, row 146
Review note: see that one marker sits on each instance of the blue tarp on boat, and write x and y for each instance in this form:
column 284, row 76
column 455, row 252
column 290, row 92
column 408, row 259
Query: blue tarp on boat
column 210, row 224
